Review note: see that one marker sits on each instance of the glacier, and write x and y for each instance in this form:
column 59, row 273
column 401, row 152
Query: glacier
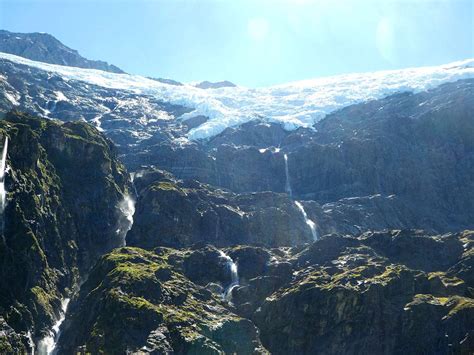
column 293, row 105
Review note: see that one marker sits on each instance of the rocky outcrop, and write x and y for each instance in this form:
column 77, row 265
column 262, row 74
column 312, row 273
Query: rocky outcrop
column 350, row 296
column 10, row 341
column 139, row 302
column 378, row 292
column 179, row 214
column 64, row 187
column 43, row 47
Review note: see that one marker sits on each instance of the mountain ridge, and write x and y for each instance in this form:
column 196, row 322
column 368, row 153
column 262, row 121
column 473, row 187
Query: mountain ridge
column 44, row 47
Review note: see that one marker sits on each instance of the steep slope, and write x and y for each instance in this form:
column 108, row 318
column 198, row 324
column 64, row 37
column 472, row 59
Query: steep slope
column 136, row 300
column 43, row 47
column 401, row 162
column 64, row 187
column 365, row 166
column 178, row 214
column 392, row 292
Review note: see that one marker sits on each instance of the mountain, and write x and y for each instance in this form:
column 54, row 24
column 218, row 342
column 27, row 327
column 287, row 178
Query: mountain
column 217, row 85
column 327, row 216
column 167, row 81
column 43, row 47
column 361, row 166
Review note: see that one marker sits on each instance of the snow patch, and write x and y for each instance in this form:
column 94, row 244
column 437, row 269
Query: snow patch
column 60, row 96
column 13, row 98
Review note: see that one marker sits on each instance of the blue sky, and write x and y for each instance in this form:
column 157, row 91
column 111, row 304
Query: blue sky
column 253, row 43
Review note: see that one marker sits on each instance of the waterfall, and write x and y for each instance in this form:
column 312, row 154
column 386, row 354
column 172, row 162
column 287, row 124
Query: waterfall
column 309, row 222
column 234, row 275
column 287, row 173
column 31, row 343
column 132, row 180
column 3, row 165
column 127, row 209
column 47, row 345
column 3, row 191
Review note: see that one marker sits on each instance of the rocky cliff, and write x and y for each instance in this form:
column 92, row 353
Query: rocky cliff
column 177, row 214
column 45, row 48
column 64, row 186
column 404, row 161
column 136, row 300
column 392, row 292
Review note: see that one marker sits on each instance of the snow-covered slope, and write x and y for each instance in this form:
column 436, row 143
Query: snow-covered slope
column 298, row 104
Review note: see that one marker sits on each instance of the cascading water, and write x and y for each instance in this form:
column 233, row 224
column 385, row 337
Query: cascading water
column 47, row 345
column 3, row 165
column 234, row 275
column 127, row 209
column 132, row 180
column 31, row 343
column 309, row 222
column 287, row 173
column 3, row 191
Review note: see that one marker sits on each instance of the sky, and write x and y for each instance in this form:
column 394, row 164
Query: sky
column 253, row 43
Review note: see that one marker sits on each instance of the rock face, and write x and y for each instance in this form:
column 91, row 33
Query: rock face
column 43, row 47
column 64, row 186
column 396, row 162
column 138, row 301
column 365, row 167
column 378, row 292
column 349, row 296
column 179, row 214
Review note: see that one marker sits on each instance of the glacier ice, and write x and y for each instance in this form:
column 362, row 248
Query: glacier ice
column 293, row 105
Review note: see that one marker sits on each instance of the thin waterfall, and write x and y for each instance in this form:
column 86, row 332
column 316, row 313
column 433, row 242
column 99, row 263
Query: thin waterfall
column 127, row 209
column 31, row 343
column 132, row 180
column 309, row 222
column 3, row 191
column 287, row 173
column 3, row 165
column 47, row 345
column 234, row 275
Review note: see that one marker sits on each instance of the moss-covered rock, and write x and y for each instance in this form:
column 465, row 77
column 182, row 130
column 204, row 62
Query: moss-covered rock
column 63, row 188
column 366, row 295
column 135, row 301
